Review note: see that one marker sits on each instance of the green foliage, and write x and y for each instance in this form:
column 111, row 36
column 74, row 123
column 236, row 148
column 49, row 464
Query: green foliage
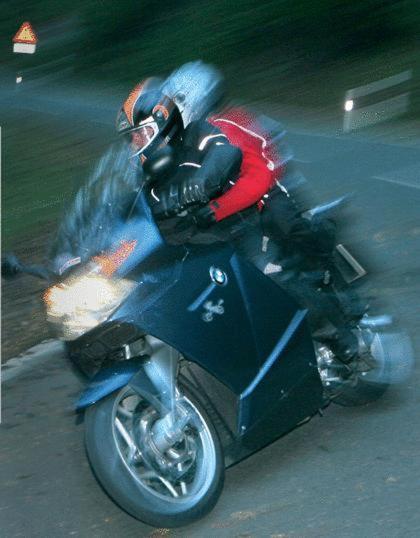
column 112, row 39
column 150, row 36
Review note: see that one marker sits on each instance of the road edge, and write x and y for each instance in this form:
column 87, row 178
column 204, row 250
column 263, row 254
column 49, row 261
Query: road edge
column 30, row 359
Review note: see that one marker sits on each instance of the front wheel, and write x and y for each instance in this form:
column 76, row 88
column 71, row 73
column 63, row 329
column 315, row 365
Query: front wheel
column 163, row 488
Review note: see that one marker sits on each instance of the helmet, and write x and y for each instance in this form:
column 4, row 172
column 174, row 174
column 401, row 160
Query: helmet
column 149, row 118
column 196, row 88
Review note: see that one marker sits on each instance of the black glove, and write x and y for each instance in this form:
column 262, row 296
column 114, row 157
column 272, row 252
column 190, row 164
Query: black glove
column 192, row 190
column 164, row 201
column 172, row 199
column 203, row 217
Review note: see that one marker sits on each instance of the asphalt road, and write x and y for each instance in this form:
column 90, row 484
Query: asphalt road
column 355, row 472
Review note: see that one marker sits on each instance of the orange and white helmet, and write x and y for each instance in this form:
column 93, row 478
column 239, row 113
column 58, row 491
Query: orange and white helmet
column 149, row 118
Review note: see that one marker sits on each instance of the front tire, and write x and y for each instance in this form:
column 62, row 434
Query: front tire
column 161, row 493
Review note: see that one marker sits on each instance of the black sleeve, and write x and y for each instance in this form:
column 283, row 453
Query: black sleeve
column 220, row 165
column 210, row 160
column 208, row 163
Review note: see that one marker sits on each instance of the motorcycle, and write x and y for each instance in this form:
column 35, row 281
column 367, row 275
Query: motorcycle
column 194, row 359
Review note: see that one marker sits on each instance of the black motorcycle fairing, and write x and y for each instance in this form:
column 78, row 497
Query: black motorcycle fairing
column 237, row 344
column 232, row 330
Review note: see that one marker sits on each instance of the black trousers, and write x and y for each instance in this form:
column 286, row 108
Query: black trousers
column 268, row 238
column 282, row 221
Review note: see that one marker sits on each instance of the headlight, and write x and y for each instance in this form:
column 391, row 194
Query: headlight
column 83, row 302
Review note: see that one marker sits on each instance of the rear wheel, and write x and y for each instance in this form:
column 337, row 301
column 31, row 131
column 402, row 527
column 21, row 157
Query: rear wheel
column 164, row 488
column 383, row 358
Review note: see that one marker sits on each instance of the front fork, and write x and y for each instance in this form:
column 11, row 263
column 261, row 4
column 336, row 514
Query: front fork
column 161, row 369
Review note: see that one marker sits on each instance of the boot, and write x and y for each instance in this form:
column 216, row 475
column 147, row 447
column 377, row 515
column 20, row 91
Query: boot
column 344, row 345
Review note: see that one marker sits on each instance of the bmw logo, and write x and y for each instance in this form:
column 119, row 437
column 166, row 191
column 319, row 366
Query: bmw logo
column 218, row 276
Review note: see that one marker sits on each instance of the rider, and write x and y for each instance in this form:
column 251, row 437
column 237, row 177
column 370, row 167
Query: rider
column 214, row 166
column 217, row 172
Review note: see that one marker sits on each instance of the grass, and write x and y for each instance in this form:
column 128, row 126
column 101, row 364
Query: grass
column 44, row 162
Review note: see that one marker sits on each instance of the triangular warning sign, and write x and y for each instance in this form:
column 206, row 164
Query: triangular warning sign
column 25, row 34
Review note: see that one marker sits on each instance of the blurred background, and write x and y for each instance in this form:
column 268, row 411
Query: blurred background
column 293, row 60
column 265, row 48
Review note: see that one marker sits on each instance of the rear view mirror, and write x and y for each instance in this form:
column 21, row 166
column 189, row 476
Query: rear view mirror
column 10, row 266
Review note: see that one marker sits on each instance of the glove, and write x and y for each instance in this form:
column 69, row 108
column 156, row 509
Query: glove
column 203, row 217
column 192, row 191
column 164, row 202
column 171, row 199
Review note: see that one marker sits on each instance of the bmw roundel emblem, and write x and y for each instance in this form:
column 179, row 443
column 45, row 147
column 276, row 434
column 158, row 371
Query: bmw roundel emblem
column 218, row 276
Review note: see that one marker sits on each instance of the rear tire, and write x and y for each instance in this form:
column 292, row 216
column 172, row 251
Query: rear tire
column 384, row 358
column 361, row 393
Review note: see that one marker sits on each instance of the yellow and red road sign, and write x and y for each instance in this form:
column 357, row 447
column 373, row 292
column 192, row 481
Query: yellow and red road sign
column 25, row 39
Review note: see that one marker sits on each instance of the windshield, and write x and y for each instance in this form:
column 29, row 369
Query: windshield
column 110, row 209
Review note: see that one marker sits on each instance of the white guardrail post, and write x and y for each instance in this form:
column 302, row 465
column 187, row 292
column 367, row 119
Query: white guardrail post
column 377, row 101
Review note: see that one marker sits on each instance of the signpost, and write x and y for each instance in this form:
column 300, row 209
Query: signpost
column 25, row 39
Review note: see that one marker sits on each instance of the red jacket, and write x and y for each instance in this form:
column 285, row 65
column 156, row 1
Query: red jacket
column 259, row 170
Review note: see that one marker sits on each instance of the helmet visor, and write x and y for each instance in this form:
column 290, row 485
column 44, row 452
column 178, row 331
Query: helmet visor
column 142, row 136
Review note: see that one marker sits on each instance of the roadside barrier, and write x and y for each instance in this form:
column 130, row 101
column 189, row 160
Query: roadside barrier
column 378, row 101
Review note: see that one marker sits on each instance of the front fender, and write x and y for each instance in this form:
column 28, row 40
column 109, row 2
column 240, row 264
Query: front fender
column 107, row 381
column 110, row 379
